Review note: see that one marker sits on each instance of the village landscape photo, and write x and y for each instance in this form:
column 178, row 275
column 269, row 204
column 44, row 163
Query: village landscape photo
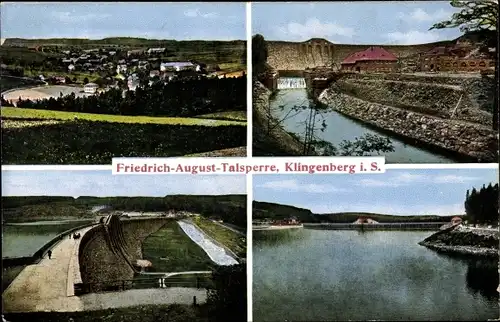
column 88, row 246
column 413, row 81
column 84, row 82
column 405, row 245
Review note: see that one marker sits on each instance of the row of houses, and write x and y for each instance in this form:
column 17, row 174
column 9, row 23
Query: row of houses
column 454, row 58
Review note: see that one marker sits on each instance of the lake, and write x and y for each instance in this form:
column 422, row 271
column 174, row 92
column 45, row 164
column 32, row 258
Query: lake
column 340, row 128
column 24, row 239
column 314, row 275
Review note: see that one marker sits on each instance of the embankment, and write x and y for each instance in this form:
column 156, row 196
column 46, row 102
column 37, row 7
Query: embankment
column 462, row 240
column 109, row 252
column 418, row 111
column 269, row 138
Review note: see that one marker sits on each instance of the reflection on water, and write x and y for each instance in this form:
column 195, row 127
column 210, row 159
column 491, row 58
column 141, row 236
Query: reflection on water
column 341, row 128
column 383, row 275
column 24, row 239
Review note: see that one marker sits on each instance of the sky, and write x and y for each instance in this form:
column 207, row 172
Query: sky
column 396, row 192
column 104, row 184
column 97, row 20
column 377, row 22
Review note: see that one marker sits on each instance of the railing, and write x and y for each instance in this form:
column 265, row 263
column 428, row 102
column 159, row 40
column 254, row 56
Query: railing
column 159, row 281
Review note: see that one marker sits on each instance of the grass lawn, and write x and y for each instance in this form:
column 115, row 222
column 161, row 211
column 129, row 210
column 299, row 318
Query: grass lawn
column 231, row 116
column 22, row 113
column 79, row 76
column 235, row 242
column 171, row 250
column 231, row 67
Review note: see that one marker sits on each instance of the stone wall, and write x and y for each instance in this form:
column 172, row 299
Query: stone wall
column 445, row 101
column 105, row 258
column 474, row 140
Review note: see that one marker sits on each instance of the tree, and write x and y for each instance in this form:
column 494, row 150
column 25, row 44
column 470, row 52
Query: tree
column 228, row 301
column 480, row 17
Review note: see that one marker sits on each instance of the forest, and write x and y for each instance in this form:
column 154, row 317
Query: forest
column 182, row 98
column 481, row 206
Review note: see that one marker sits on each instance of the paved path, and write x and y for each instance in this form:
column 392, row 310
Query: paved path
column 172, row 295
column 44, row 286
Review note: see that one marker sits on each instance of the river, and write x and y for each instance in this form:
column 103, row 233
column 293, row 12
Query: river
column 341, row 128
column 24, row 239
column 317, row 275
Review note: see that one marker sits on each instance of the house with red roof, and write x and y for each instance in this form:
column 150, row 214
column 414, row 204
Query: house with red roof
column 373, row 59
column 455, row 58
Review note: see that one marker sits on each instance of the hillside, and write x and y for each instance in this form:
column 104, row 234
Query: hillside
column 229, row 208
column 267, row 210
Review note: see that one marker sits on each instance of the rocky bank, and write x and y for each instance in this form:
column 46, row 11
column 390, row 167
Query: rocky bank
column 270, row 140
column 462, row 240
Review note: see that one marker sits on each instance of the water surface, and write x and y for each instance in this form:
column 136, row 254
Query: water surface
column 318, row 275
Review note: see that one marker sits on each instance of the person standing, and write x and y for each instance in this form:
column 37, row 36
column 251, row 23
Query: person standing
column 49, row 253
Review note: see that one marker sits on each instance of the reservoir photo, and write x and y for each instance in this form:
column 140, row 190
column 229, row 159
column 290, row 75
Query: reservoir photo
column 318, row 275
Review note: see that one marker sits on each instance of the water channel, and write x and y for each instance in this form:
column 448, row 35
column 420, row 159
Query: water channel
column 318, row 275
column 340, row 127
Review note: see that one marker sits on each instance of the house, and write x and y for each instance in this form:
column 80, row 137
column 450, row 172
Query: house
column 67, row 60
column 457, row 58
column 156, row 50
column 178, row 66
column 112, row 53
column 154, row 73
column 365, row 220
column 71, row 67
column 134, row 52
column 456, row 220
column 90, row 88
column 373, row 59
column 59, row 79
column 121, row 69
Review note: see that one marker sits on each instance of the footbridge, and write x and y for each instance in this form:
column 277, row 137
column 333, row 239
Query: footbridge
column 291, row 82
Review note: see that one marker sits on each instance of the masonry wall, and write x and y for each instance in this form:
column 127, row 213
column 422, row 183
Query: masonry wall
column 105, row 258
column 445, row 101
column 465, row 138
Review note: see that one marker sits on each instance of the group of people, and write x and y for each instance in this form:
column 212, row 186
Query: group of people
column 75, row 236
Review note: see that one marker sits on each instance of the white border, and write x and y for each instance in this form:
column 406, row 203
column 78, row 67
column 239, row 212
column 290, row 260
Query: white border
column 249, row 79
column 249, row 178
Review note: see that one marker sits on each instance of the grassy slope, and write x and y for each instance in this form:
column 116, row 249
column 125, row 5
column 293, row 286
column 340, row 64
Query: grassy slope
column 13, row 112
column 179, row 251
column 226, row 237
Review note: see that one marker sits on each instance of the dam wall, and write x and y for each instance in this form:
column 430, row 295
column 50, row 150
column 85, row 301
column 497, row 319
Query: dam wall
column 283, row 55
column 108, row 253
column 469, row 139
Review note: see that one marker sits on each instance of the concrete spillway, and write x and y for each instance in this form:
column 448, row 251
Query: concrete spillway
column 291, row 82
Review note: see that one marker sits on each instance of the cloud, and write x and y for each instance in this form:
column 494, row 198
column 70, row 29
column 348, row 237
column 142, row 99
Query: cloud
column 313, row 28
column 412, row 37
column 406, row 178
column 102, row 183
column 194, row 13
column 294, row 186
column 389, row 209
column 68, row 17
column 421, row 15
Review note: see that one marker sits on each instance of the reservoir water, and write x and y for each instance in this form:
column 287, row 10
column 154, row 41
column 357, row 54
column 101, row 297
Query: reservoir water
column 24, row 239
column 341, row 128
column 318, row 275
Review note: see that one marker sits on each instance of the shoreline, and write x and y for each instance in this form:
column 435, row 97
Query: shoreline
column 271, row 227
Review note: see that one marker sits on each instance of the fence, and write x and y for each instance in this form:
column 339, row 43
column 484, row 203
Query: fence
column 160, row 281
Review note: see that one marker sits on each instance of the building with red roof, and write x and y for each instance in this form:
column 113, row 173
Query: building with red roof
column 373, row 59
column 455, row 58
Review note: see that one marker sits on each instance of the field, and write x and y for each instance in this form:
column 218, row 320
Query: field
column 53, row 137
column 171, row 250
column 231, row 116
column 235, row 242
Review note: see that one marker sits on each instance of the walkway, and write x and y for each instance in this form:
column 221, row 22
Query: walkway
column 43, row 286
column 172, row 295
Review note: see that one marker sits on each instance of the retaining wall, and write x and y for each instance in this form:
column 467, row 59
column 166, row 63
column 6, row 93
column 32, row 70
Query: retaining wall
column 468, row 139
